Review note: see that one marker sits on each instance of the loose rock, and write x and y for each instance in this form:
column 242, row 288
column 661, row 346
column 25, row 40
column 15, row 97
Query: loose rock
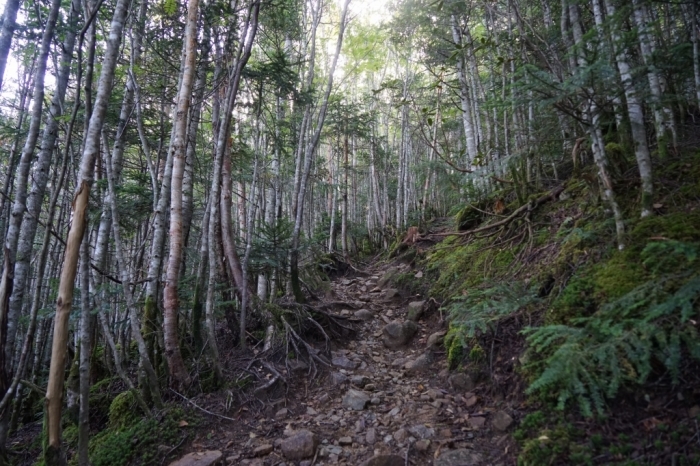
column 344, row 363
column 461, row 457
column 415, row 310
column 263, row 450
column 338, row 379
column 359, row 380
column 203, row 458
column 420, row 364
column 300, row 445
column 397, row 334
column 385, row 460
column 501, row 421
column 462, row 382
column 390, row 294
column 355, row 399
column 364, row 314
column 435, row 339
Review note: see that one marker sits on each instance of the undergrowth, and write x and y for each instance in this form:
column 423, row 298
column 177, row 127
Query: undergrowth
column 589, row 360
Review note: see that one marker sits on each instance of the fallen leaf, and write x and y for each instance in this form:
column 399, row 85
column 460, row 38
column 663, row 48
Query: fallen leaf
column 658, row 205
column 183, row 423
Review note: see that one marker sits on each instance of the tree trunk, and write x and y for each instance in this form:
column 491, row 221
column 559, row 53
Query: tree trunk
column 9, row 18
column 19, row 205
column 635, row 113
column 309, row 150
column 171, row 301
column 54, row 392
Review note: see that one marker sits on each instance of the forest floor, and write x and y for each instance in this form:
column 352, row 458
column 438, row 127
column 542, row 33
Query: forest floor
column 375, row 405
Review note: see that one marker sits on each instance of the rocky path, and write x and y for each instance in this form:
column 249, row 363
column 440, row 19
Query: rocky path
column 389, row 399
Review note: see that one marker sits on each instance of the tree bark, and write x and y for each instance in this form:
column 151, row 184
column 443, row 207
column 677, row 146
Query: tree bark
column 171, row 301
column 54, row 392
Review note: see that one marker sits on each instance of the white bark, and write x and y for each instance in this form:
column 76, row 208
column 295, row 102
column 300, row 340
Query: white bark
column 635, row 113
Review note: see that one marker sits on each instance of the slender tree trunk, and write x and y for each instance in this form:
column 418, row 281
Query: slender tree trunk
column 40, row 175
column 344, row 211
column 19, row 205
column 696, row 50
column 592, row 116
column 54, row 392
column 85, row 353
column 9, row 18
column 309, row 150
column 467, row 120
column 171, row 301
column 635, row 113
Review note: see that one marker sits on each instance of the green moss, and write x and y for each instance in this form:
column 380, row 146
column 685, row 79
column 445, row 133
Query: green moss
column 468, row 217
column 136, row 442
column 576, row 300
column 123, row 410
column 616, row 277
column 680, row 226
column 477, row 354
column 454, row 344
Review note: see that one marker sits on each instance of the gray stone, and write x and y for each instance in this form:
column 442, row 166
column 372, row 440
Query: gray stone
column 199, row 458
column 461, row 457
column 364, row 314
column 263, row 450
column 501, row 421
column 281, row 414
column 371, row 436
column 415, row 310
column 385, row 460
column 397, row 334
column 461, row 382
column 298, row 366
column 422, row 445
column 355, row 399
column 345, row 440
column 420, row 364
column 300, row 445
column 435, row 339
column 338, row 379
column 400, row 435
column 422, row 432
column 359, row 380
column 390, row 294
column 388, row 275
column 344, row 362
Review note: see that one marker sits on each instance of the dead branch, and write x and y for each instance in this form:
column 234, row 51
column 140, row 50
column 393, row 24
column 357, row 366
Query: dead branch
column 524, row 208
column 202, row 409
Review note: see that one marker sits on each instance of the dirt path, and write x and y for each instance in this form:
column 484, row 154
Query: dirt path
column 386, row 401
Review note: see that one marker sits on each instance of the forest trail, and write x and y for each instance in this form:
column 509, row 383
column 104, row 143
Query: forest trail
column 387, row 400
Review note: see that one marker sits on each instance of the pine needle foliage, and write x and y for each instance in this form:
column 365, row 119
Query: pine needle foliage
column 654, row 325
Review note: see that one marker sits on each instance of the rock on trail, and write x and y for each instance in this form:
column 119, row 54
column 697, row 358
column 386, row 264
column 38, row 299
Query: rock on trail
column 387, row 395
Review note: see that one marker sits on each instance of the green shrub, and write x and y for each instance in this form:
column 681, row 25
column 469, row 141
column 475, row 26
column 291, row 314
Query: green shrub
column 478, row 311
column 588, row 361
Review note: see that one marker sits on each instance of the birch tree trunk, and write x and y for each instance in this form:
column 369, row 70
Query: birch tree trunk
column 635, row 113
column 309, row 149
column 54, row 392
column 40, row 176
column 171, row 301
column 9, row 18
column 662, row 115
column 467, row 120
column 19, row 205
column 592, row 117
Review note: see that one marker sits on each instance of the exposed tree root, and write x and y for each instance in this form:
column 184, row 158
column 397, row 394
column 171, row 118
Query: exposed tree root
column 524, row 209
